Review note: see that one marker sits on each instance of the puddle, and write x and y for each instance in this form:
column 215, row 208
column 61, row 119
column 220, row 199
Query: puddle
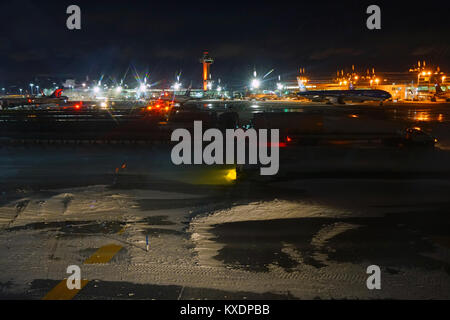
column 159, row 231
column 395, row 241
column 158, row 220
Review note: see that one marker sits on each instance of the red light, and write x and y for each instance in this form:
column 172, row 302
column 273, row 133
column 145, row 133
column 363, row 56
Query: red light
column 77, row 106
column 288, row 139
column 149, row 108
column 157, row 106
column 275, row 144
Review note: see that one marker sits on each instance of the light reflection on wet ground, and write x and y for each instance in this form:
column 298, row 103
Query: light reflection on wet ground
column 396, row 240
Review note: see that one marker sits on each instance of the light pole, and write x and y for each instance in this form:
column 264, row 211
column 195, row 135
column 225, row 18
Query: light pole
column 31, row 86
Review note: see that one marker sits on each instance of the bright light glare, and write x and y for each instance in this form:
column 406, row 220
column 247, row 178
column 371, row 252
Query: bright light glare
column 279, row 86
column 143, row 87
column 97, row 89
column 231, row 175
column 255, row 83
column 119, row 89
column 177, row 86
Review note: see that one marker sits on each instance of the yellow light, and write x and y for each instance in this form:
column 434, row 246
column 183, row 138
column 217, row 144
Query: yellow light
column 424, row 73
column 429, row 73
column 356, row 77
column 231, row 175
column 422, row 116
column 443, row 78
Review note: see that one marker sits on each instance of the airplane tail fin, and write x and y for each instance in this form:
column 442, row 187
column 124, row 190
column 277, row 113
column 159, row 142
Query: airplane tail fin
column 56, row 94
column 301, row 85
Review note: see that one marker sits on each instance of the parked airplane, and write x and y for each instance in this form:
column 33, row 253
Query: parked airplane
column 340, row 96
column 180, row 99
column 22, row 100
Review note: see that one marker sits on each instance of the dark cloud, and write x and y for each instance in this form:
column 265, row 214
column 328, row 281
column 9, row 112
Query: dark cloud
column 163, row 37
column 333, row 52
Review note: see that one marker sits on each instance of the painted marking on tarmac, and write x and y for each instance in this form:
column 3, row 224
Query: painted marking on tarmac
column 61, row 292
column 104, row 254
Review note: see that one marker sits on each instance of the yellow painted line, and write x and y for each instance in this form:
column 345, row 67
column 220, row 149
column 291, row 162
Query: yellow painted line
column 104, row 254
column 61, row 292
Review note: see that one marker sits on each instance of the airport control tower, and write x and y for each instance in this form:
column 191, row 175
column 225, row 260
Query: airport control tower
column 206, row 60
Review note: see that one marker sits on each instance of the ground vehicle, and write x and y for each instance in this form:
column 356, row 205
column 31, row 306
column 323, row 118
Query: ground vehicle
column 414, row 136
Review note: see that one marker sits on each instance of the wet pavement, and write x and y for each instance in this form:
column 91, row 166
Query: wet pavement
column 308, row 233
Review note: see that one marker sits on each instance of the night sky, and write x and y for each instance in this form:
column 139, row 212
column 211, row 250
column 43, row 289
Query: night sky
column 164, row 37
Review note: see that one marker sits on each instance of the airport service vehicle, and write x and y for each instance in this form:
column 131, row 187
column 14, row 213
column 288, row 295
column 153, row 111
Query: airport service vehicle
column 440, row 94
column 412, row 137
column 159, row 107
column 21, row 100
column 263, row 97
column 416, row 136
